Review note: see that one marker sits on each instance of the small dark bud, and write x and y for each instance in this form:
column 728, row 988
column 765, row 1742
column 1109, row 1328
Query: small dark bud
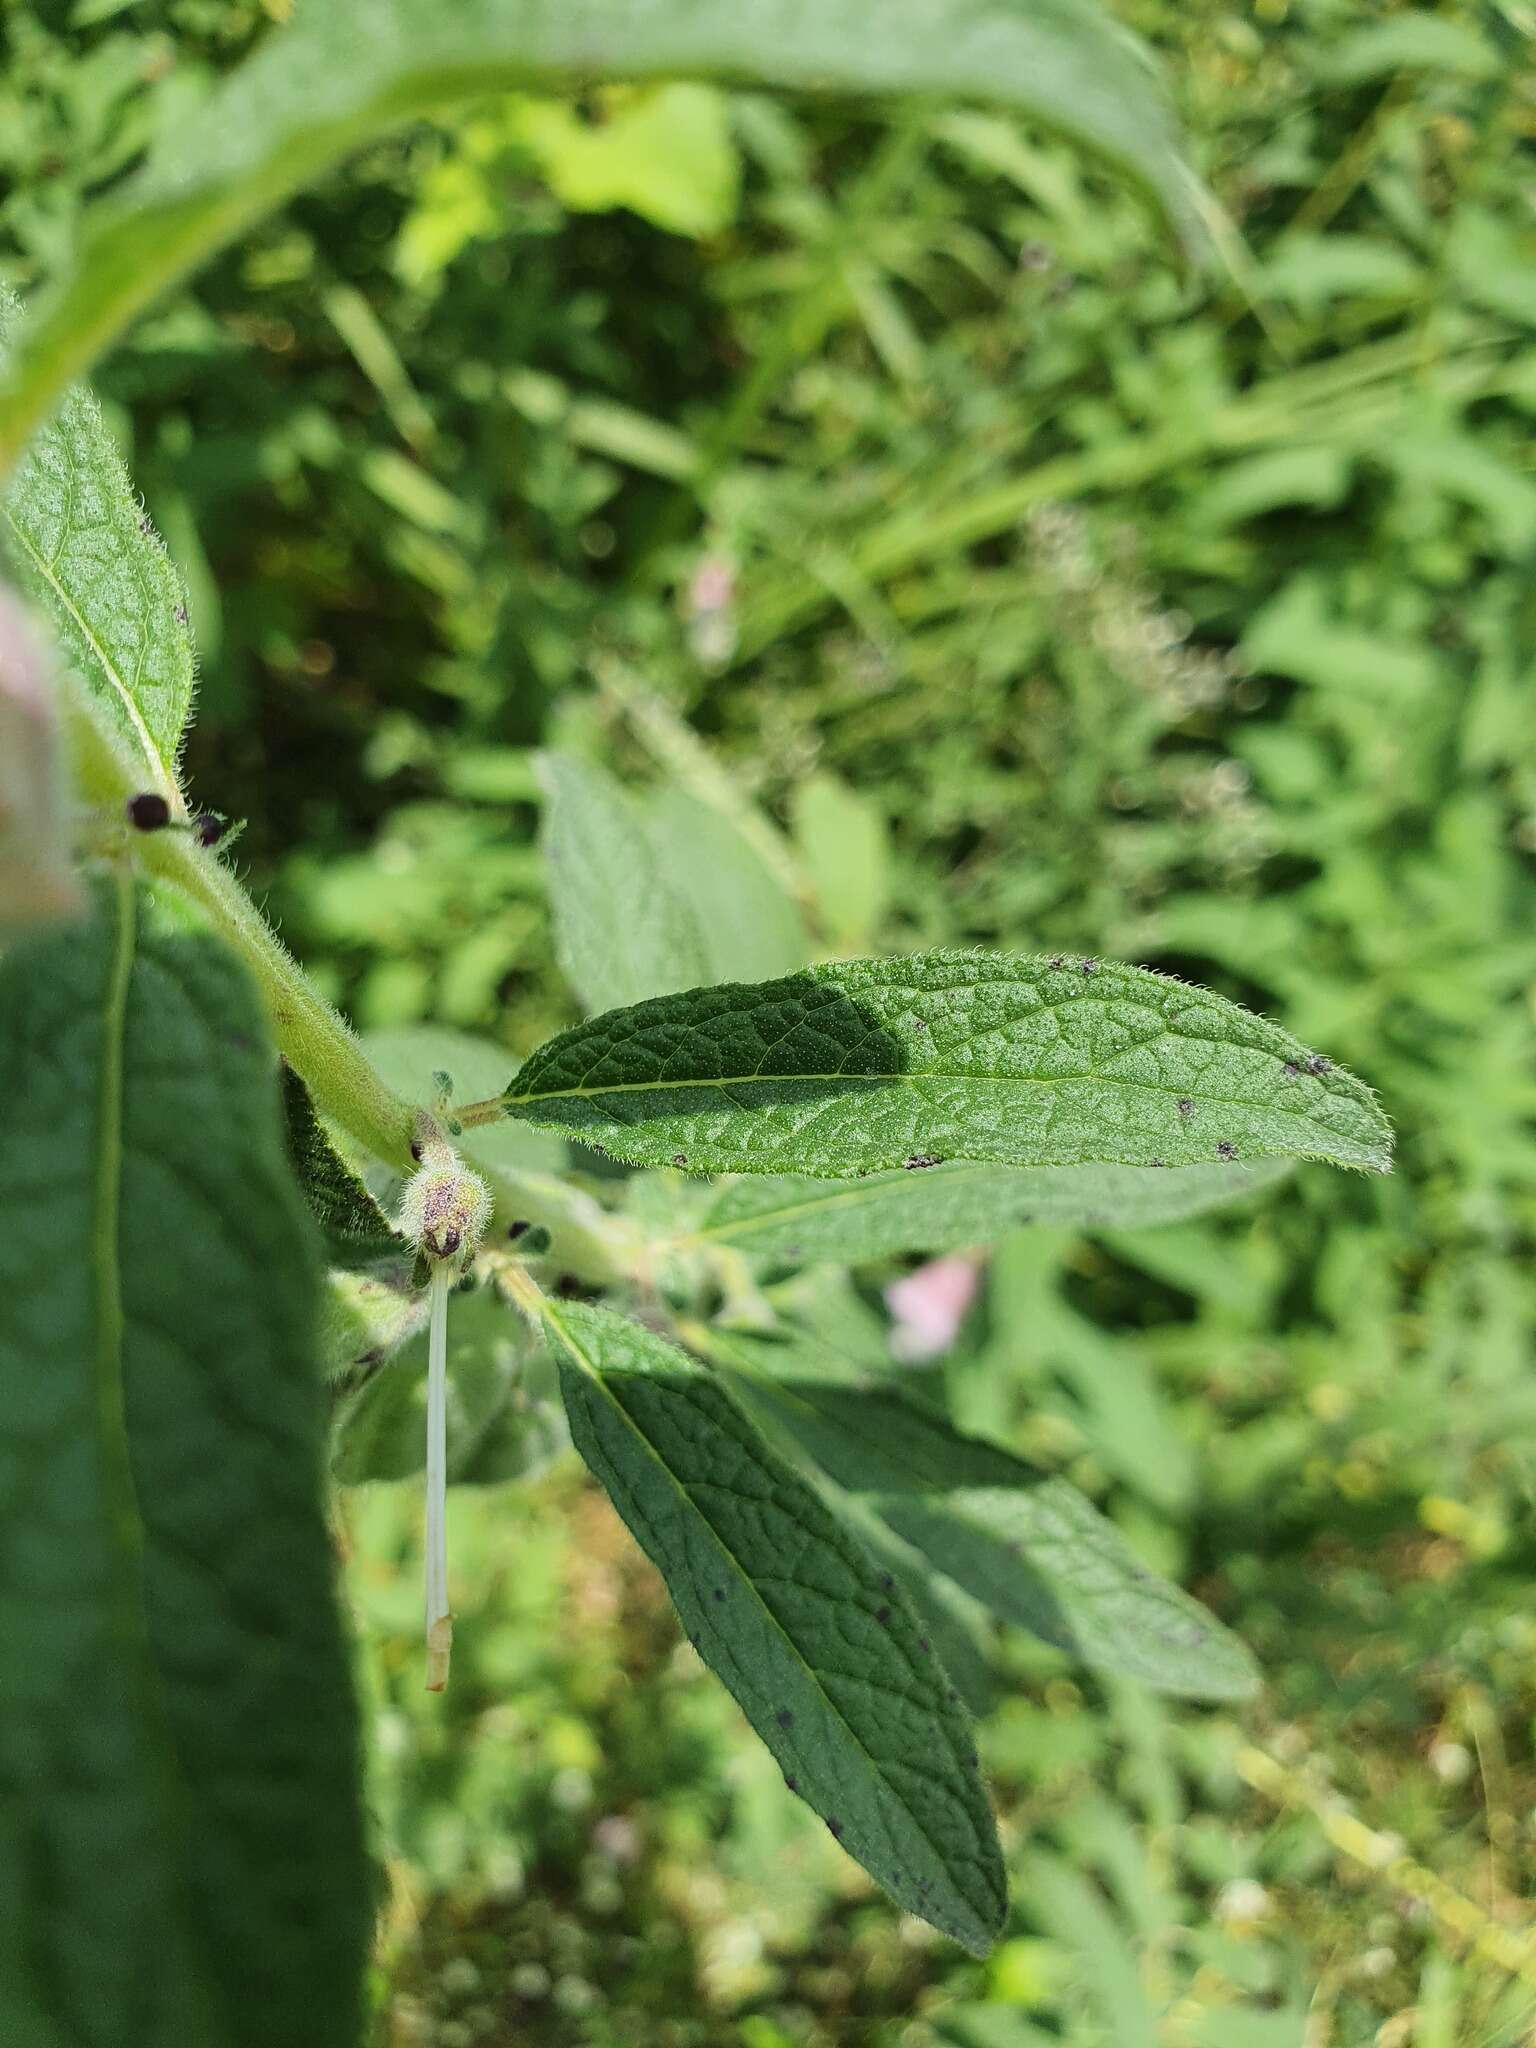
column 208, row 828
column 517, row 1230
column 415, row 1151
column 148, row 812
column 1225, row 1150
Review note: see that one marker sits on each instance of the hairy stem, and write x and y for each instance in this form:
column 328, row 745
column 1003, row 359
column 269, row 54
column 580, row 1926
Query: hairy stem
column 309, row 1033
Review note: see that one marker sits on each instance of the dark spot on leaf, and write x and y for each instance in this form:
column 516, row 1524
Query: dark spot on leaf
column 180, row 615
column 679, row 1158
column 1058, row 961
column 148, row 812
column 785, row 1718
column 792, row 1251
column 882, row 1615
column 1157, row 1162
column 834, row 1828
column 916, row 1161
column 415, row 1150
column 1316, row 1064
column 146, row 524
column 918, row 1024
column 1291, row 1070
column 922, row 1642
column 1090, row 965
column 1186, row 1107
column 887, row 1581
column 1226, row 1150
column 518, row 1229
column 718, row 1594
column 792, row 1783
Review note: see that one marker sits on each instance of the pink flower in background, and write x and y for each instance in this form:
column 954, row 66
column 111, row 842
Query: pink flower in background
column 710, row 610
column 928, row 1307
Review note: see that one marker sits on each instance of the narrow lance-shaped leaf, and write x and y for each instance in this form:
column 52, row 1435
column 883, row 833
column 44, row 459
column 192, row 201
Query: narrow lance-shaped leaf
column 783, row 1601
column 180, row 1825
column 962, row 1203
column 79, row 544
column 348, row 71
column 867, row 1065
column 621, row 931
column 1026, row 1544
column 357, row 1231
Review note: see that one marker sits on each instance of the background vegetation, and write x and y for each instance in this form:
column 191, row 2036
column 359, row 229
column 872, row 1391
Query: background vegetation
column 1040, row 594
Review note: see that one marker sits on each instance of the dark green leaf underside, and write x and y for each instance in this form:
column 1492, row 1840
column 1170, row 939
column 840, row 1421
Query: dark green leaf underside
column 814, row 1640
column 868, row 1065
column 357, row 1231
column 178, row 1750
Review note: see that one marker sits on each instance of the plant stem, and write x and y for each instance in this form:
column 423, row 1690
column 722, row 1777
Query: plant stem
column 312, row 1037
column 438, row 1618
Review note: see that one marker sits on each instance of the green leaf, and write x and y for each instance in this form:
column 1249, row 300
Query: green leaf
column 1027, row 1545
column 364, row 1319
column 867, row 1065
column 342, row 74
column 749, row 929
column 381, row 1431
column 79, row 545
column 666, row 153
column 357, row 1232
column 621, row 933
column 844, row 844
column 786, row 1605
column 178, row 1740
column 963, row 1203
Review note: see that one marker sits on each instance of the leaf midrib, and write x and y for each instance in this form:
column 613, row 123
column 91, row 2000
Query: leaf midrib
column 127, row 1540
column 594, row 1373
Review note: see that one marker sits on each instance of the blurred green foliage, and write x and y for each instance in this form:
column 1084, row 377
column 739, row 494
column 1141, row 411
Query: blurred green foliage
column 1041, row 596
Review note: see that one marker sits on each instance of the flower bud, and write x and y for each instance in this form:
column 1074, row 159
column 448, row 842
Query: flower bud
column 445, row 1206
